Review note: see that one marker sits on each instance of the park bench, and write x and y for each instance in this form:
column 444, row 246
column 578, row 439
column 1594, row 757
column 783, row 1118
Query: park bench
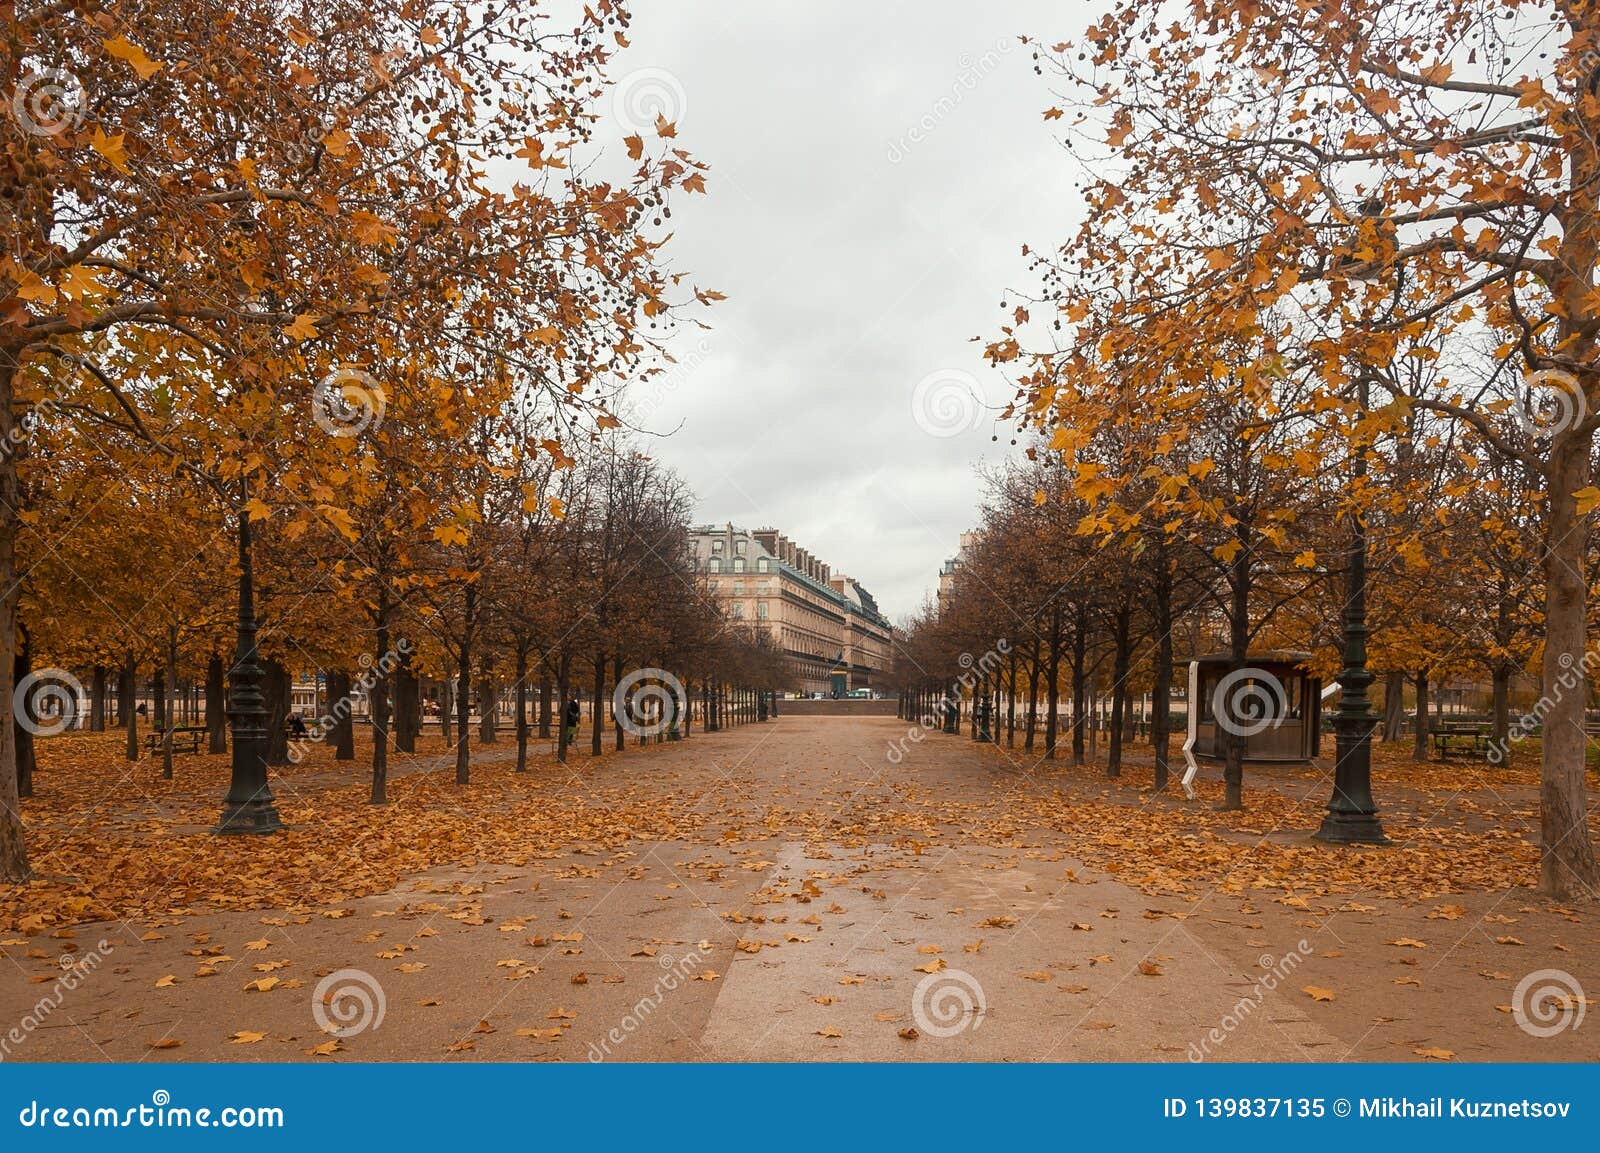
column 1470, row 735
column 185, row 739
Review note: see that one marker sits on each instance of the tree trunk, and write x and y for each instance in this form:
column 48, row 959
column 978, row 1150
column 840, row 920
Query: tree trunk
column 341, row 711
column 171, row 680
column 216, row 705
column 127, row 700
column 378, row 706
column 26, row 710
column 1161, row 691
column 563, row 672
column 275, row 687
column 522, row 706
column 97, row 700
column 1011, row 701
column 1239, row 650
column 1567, row 859
column 544, row 706
column 407, row 705
column 1122, row 626
column 1052, row 712
column 1394, row 705
column 469, row 616
column 598, row 721
column 1501, row 723
column 1419, row 739
column 463, row 714
column 620, row 737
column 1033, row 695
column 1080, row 682
column 13, row 848
column 488, row 710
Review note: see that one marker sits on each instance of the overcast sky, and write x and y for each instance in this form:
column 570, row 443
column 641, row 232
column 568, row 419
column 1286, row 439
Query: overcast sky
column 875, row 170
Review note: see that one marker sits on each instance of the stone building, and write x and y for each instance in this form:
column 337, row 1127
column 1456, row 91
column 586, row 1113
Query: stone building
column 948, row 571
column 827, row 625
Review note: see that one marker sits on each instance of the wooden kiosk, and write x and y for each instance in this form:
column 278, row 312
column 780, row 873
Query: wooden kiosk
column 1275, row 703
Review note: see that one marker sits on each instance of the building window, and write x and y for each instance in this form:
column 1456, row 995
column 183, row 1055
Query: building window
column 716, row 564
column 738, row 547
column 716, row 547
column 761, row 610
column 738, row 588
column 761, row 564
column 738, row 610
column 738, row 564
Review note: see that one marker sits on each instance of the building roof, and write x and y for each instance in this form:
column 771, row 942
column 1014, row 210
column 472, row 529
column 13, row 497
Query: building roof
column 850, row 595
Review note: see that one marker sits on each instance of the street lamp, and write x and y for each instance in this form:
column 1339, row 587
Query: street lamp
column 248, row 807
column 1352, row 813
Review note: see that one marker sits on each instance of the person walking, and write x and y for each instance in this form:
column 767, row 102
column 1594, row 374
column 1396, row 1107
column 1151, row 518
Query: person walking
column 574, row 714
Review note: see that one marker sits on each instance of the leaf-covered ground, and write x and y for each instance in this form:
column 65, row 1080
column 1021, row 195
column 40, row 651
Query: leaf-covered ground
column 804, row 884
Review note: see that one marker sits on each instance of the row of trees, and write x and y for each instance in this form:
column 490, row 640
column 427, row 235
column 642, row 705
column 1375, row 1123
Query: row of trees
column 552, row 609
column 325, row 306
column 1043, row 600
column 1336, row 265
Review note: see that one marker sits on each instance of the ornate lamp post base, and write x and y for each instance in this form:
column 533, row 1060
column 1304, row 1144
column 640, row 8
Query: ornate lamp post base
column 1352, row 813
column 1351, row 828
column 257, row 816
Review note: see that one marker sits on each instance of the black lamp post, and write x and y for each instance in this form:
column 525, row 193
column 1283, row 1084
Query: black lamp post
column 249, row 807
column 1352, row 813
